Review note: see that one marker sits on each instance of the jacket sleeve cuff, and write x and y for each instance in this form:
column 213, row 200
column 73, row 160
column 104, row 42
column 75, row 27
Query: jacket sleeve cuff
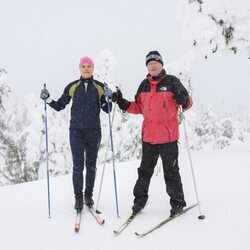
column 124, row 104
column 188, row 104
column 107, row 107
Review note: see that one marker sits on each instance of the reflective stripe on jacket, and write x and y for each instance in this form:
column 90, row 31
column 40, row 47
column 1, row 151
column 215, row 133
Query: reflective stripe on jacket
column 86, row 103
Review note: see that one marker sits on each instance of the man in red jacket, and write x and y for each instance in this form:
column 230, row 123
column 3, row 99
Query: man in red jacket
column 158, row 99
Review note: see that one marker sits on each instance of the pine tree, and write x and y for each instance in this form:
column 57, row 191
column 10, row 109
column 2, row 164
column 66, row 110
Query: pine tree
column 12, row 147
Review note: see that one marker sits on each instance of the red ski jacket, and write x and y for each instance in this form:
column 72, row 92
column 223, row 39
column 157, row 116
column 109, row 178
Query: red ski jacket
column 154, row 100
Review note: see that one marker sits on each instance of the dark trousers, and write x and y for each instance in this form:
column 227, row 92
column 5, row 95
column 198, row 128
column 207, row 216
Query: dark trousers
column 169, row 156
column 84, row 147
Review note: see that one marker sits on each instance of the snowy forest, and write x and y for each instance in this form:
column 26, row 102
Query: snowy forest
column 209, row 27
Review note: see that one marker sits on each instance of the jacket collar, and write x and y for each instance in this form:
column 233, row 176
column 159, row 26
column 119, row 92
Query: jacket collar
column 88, row 80
column 158, row 78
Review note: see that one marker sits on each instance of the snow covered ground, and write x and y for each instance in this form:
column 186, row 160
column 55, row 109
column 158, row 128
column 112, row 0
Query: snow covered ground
column 223, row 185
column 222, row 175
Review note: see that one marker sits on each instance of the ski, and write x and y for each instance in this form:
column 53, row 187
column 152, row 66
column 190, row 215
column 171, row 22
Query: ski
column 97, row 218
column 78, row 220
column 125, row 224
column 164, row 222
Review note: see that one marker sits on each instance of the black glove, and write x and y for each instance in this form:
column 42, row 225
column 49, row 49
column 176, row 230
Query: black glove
column 181, row 99
column 116, row 96
column 122, row 103
column 180, row 96
column 44, row 94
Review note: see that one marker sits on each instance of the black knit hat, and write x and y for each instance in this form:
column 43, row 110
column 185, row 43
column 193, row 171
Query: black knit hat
column 154, row 56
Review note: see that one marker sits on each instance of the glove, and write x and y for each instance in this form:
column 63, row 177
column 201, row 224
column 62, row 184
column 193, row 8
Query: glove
column 116, row 96
column 180, row 95
column 44, row 94
column 181, row 99
column 107, row 91
column 122, row 103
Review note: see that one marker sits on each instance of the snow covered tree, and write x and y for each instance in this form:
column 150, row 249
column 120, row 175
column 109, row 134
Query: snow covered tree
column 14, row 168
column 211, row 27
column 216, row 25
column 105, row 65
column 22, row 140
column 125, row 147
column 216, row 131
column 127, row 136
column 181, row 68
column 60, row 159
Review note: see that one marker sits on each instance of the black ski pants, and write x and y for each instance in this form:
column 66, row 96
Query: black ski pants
column 169, row 155
column 84, row 147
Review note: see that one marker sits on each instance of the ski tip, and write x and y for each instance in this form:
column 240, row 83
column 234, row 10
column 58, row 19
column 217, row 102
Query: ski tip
column 115, row 232
column 103, row 222
column 76, row 229
column 201, row 217
column 137, row 234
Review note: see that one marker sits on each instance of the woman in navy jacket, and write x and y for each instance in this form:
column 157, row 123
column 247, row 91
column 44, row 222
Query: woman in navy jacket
column 88, row 97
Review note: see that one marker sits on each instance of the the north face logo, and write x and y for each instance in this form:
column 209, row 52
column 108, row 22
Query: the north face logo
column 163, row 89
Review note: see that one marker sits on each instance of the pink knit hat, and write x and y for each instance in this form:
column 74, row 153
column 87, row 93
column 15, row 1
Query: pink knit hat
column 86, row 59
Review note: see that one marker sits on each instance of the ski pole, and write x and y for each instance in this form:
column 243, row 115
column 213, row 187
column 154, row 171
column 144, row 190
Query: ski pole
column 113, row 155
column 104, row 166
column 47, row 150
column 201, row 217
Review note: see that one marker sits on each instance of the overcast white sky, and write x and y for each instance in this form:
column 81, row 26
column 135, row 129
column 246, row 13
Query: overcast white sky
column 42, row 41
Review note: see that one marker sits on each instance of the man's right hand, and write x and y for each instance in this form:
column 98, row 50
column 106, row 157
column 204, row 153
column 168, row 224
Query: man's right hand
column 116, row 96
column 122, row 103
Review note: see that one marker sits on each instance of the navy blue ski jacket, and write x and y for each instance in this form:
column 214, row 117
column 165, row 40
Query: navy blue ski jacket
column 86, row 103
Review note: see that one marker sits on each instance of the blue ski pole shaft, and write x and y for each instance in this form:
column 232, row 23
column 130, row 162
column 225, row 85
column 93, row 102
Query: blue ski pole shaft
column 113, row 158
column 47, row 151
